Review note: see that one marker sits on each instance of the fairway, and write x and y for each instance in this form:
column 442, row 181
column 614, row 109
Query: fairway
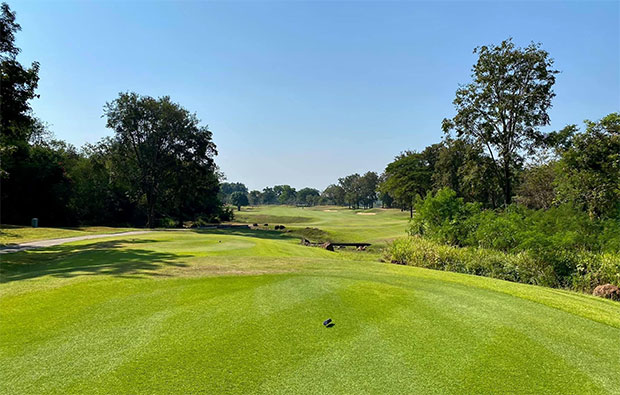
column 340, row 224
column 241, row 311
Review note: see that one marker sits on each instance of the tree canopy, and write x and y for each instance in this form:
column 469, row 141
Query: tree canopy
column 163, row 150
column 239, row 199
column 505, row 104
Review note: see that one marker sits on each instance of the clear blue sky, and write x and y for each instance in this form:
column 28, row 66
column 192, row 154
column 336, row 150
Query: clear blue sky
column 303, row 93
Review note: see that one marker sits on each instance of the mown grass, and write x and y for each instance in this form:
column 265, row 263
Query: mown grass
column 239, row 311
column 340, row 224
column 11, row 234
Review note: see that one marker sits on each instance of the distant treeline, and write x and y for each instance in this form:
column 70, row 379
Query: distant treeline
column 354, row 191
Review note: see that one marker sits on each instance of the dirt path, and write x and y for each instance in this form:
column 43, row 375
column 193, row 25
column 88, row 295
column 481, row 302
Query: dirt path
column 54, row 242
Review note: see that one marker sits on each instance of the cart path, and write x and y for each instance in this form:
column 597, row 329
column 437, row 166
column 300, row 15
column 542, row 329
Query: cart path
column 54, row 242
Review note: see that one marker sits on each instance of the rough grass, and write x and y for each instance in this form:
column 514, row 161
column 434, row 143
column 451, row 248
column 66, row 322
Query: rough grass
column 240, row 312
column 11, row 234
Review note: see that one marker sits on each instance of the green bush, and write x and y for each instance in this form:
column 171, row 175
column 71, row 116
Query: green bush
column 562, row 239
column 596, row 269
column 227, row 214
column 400, row 251
column 443, row 217
column 167, row 222
column 591, row 270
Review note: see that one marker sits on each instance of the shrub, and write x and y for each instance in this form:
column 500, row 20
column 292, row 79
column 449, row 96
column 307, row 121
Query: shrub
column 227, row 214
column 596, row 269
column 560, row 247
column 443, row 217
column 400, row 251
column 524, row 267
column 167, row 222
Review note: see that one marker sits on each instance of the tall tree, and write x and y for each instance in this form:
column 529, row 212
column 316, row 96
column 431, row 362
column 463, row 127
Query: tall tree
column 17, row 88
column 409, row 176
column 228, row 188
column 18, row 126
column 386, row 199
column 158, row 140
column 368, row 185
column 505, row 104
column 306, row 196
column 333, row 194
column 239, row 199
column 352, row 189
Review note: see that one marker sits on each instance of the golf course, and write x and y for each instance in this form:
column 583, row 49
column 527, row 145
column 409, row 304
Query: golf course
column 241, row 310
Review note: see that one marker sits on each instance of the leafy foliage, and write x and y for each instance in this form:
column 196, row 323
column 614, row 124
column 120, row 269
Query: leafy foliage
column 561, row 238
column 409, row 176
column 164, row 153
column 588, row 174
column 525, row 266
column 356, row 190
column 239, row 199
column 505, row 104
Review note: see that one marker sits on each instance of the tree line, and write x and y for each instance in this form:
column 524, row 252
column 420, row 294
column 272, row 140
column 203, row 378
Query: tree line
column 157, row 169
column 354, row 191
column 499, row 197
column 495, row 153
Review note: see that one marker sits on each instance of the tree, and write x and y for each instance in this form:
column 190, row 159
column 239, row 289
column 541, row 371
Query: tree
column 463, row 167
column 352, row 189
column 333, row 194
column 269, row 196
column 286, row 194
column 505, row 104
column 158, row 141
column 368, row 186
column 589, row 169
column 100, row 196
column 536, row 189
column 18, row 126
column 239, row 199
column 306, row 196
column 228, row 188
column 17, row 88
column 255, row 198
column 409, row 176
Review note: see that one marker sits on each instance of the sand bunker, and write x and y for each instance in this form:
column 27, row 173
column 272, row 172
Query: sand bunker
column 366, row 213
column 330, row 211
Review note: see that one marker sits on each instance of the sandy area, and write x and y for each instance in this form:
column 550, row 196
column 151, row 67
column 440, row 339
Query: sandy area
column 366, row 213
column 330, row 211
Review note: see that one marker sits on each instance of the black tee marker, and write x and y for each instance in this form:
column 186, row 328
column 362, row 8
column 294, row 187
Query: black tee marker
column 327, row 322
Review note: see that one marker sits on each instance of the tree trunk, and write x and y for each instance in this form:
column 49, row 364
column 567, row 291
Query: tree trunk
column 150, row 219
column 238, row 208
column 507, row 183
column 411, row 211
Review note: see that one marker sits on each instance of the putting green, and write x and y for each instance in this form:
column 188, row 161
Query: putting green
column 241, row 312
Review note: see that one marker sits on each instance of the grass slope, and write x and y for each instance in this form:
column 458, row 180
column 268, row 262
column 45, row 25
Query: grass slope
column 239, row 311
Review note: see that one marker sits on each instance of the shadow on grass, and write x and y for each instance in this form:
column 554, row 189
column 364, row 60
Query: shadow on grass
column 116, row 258
column 247, row 232
column 315, row 235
